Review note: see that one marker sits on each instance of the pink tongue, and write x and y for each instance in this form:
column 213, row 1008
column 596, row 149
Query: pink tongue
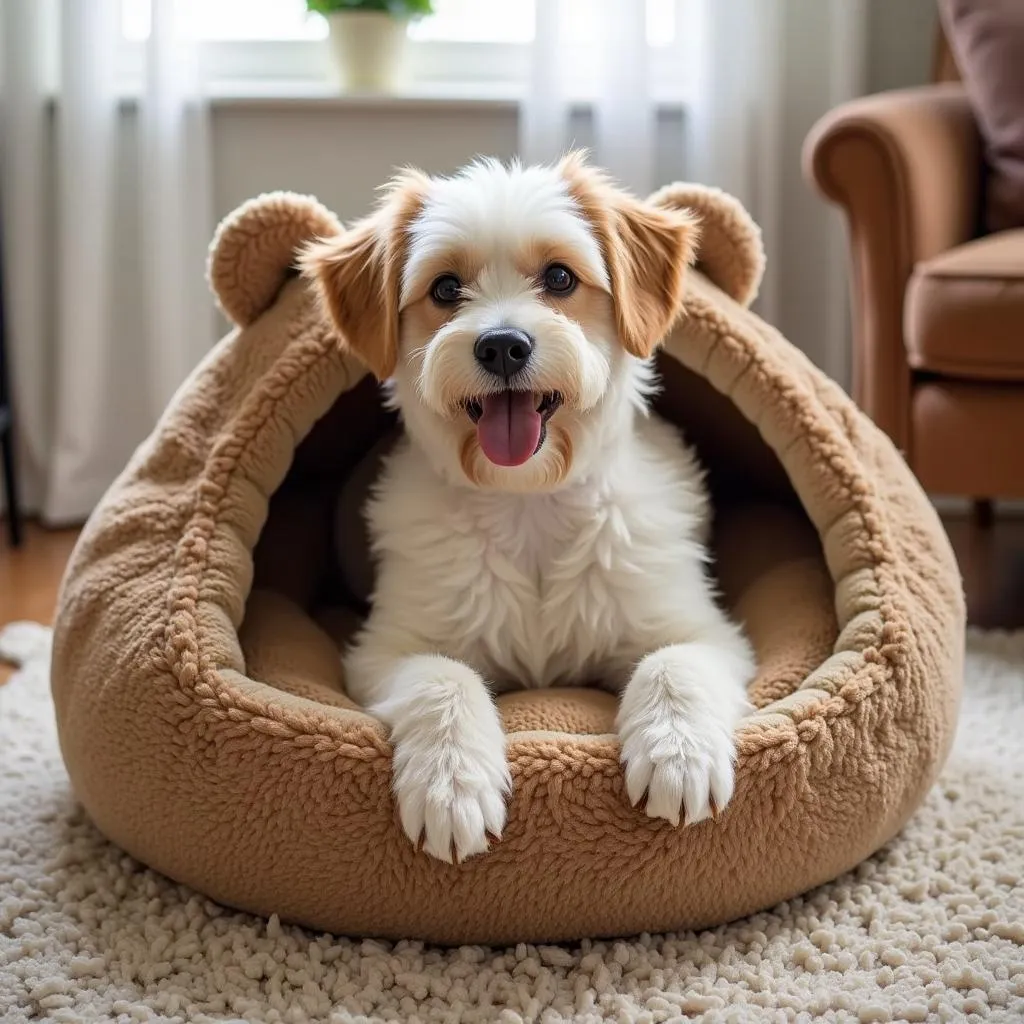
column 509, row 429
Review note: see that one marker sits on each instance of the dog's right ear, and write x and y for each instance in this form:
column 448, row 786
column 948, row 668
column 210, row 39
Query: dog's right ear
column 354, row 278
column 358, row 275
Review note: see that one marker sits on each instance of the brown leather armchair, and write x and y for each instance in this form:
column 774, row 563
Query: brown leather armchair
column 938, row 308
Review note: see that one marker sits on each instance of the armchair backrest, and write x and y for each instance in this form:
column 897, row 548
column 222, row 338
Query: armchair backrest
column 944, row 67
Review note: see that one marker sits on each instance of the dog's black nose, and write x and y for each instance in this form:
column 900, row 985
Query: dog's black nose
column 503, row 351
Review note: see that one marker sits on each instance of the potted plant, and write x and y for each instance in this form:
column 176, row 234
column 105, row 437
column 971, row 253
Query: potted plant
column 368, row 38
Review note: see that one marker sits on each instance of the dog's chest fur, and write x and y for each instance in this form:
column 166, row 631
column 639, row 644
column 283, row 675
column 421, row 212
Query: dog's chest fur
column 572, row 586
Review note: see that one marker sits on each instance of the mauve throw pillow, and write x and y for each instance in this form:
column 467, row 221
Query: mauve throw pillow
column 987, row 39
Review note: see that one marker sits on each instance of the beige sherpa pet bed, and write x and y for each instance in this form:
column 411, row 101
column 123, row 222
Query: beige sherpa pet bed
column 199, row 690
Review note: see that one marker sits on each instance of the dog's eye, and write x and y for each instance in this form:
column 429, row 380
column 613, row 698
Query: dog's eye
column 558, row 279
column 447, row 289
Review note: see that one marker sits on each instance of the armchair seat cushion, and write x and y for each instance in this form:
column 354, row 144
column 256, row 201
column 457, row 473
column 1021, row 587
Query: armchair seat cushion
column 964, row 312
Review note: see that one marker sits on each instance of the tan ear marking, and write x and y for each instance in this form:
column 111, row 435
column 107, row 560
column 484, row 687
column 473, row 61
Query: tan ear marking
column 351, row 275
column 647, row 250
column 358, row 274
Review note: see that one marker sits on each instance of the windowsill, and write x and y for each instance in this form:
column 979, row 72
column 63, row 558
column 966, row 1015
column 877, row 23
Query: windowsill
column 297, row 94
column 314, row 93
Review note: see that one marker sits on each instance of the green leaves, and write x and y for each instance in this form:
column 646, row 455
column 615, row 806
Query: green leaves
column 396, row 8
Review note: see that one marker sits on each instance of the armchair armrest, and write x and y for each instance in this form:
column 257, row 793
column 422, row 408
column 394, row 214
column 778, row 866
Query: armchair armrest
column 905, row 169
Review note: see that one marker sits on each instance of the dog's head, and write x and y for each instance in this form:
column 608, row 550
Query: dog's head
column 513, row 309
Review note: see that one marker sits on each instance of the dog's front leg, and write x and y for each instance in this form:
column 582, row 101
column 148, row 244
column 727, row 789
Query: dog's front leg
column 676, row 722
column 451, row 775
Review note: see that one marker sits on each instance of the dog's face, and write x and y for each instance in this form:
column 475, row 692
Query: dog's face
column 512, row 309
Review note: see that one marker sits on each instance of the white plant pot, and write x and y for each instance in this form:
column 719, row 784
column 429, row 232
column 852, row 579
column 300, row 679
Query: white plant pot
column 368, row 49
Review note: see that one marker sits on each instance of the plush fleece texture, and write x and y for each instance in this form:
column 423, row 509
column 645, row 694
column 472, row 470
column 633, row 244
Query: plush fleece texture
column 204, row 723
column 929, row 929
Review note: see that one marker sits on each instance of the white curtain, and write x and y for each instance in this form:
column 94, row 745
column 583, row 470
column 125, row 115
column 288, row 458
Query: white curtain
column 751, row 77
column 87, row 126
column 594, row 54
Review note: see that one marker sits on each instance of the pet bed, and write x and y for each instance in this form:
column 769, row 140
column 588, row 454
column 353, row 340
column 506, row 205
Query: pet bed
column 200, row 697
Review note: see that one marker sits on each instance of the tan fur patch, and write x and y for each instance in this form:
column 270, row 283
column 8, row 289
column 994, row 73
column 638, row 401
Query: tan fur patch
column 359, row 272
column 646, row 248
column 588, row 305
column 464, row 261
column 537, row 255
column 424, row 318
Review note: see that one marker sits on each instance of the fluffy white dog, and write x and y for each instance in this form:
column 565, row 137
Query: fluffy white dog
column 535, row 526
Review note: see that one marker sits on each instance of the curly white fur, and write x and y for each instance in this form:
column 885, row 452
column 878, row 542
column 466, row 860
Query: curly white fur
column 592, row 574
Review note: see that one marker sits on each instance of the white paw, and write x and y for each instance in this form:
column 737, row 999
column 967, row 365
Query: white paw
column 676, row 728
column 451, row 798
column 686, row 771
column 451, row 777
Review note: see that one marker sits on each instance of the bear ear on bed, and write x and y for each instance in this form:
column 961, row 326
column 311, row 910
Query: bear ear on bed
column 255, row 248
column 731, row 252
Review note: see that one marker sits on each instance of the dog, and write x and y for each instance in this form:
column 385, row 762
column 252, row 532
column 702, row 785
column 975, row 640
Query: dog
column 536, row 525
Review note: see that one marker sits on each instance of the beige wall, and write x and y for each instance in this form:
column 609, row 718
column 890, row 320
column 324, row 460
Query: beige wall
column 901, row 38
column 341, row 150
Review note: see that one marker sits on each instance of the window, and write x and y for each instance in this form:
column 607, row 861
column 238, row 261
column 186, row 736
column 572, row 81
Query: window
column 467, row 41
column 468, row 21
column 464, row 21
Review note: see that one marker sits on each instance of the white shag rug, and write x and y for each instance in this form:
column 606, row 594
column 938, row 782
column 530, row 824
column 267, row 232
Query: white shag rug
column 931, row 928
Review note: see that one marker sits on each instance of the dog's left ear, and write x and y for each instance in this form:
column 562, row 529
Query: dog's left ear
column 358, row 275
column 649, row 252
column 647, row 249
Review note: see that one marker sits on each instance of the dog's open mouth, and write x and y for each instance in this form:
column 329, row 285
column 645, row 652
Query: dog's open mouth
column 511, row 425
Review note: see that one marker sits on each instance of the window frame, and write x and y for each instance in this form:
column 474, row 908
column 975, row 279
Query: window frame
column 492, row 69
column 435, row 67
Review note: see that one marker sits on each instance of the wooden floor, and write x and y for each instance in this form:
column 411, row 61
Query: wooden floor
column 30, row 575
column 991, row 560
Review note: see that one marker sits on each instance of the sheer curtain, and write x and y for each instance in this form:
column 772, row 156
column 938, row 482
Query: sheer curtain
column 596, row 53
column 751, row 77
column 75, row 145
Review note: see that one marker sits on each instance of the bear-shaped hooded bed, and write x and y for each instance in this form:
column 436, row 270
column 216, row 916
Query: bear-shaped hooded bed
column 200, row 694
